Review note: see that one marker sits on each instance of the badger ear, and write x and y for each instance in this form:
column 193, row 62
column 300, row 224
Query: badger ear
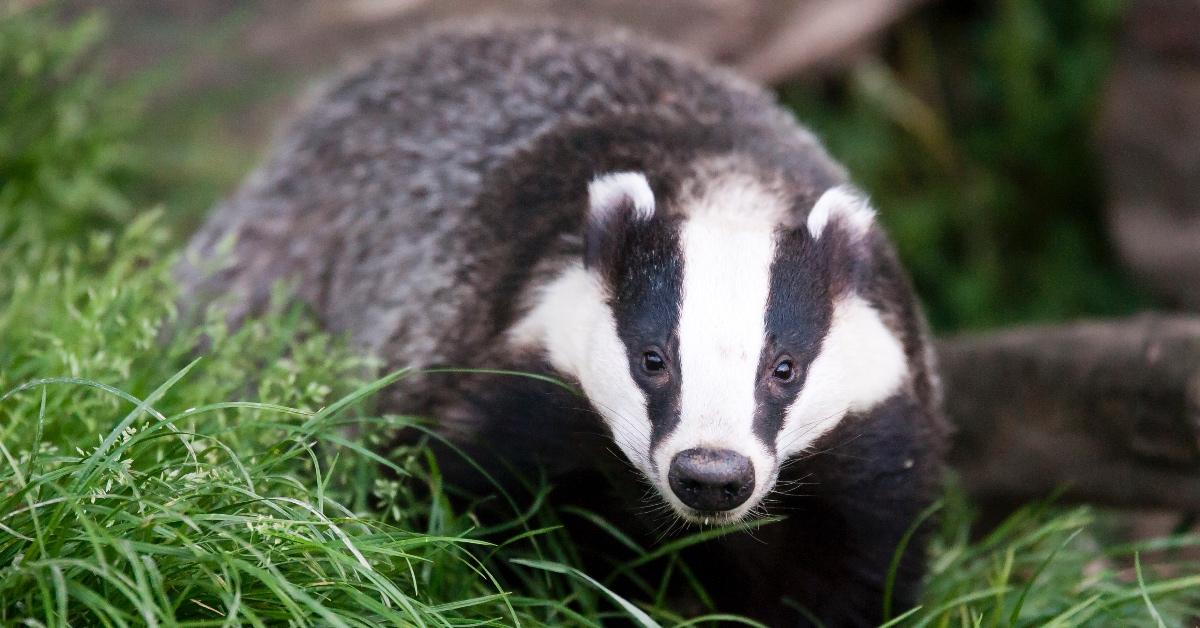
column 616, row 202
column 842, row 207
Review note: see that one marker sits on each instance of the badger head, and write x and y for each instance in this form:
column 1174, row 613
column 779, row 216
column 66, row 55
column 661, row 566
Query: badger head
column 715, row 333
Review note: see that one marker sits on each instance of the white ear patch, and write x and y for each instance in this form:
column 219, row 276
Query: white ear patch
column 860, row 365
column 841, row 204
column 608, row 192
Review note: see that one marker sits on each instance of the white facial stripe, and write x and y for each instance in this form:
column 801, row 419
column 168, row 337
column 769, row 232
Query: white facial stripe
column 726, row 281
column 841, row 204
column 572, row 322
column 606, row 193
column 860, row 365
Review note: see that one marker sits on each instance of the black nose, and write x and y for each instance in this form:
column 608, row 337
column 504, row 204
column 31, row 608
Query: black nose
column 711, row 480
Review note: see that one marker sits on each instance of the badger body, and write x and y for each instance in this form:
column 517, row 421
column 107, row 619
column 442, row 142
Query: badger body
column 655, row 232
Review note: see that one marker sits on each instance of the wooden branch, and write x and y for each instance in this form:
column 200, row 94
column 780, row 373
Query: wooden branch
column 1110, row 410
column 767, row 40
column 821, row 35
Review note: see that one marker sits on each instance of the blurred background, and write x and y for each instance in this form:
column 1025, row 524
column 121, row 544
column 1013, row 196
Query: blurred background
column 1036, row 160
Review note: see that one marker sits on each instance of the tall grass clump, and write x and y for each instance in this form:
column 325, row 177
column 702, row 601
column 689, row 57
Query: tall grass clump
column 1048, row 566
column 156, row 472
column 146, row 481
column 141, row 484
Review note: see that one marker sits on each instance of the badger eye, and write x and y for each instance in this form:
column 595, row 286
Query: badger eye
column 785, row 370
column 653, row 362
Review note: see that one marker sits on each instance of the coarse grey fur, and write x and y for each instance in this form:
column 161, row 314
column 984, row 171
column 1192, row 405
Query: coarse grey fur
column 423, row 198
column 408, row 143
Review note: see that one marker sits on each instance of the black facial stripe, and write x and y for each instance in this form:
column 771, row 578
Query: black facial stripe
column 647, row 287
column 799, row 308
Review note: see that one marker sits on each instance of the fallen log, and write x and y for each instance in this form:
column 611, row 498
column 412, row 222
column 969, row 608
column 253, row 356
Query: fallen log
column 1107, row 410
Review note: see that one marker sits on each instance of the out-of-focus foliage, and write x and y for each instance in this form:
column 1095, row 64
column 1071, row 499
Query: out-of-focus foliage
column 974, row 139
column 60, row 127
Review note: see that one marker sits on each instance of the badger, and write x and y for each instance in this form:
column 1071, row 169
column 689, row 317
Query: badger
column 656, row 233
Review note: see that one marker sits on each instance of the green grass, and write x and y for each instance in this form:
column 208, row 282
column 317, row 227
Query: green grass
column 157, row 473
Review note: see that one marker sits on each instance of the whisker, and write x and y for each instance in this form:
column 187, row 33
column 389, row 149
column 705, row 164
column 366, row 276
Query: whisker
column 831, row 450
column 808, row 426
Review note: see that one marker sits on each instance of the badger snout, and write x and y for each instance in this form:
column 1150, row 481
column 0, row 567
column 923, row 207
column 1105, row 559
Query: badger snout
column 711, row 480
